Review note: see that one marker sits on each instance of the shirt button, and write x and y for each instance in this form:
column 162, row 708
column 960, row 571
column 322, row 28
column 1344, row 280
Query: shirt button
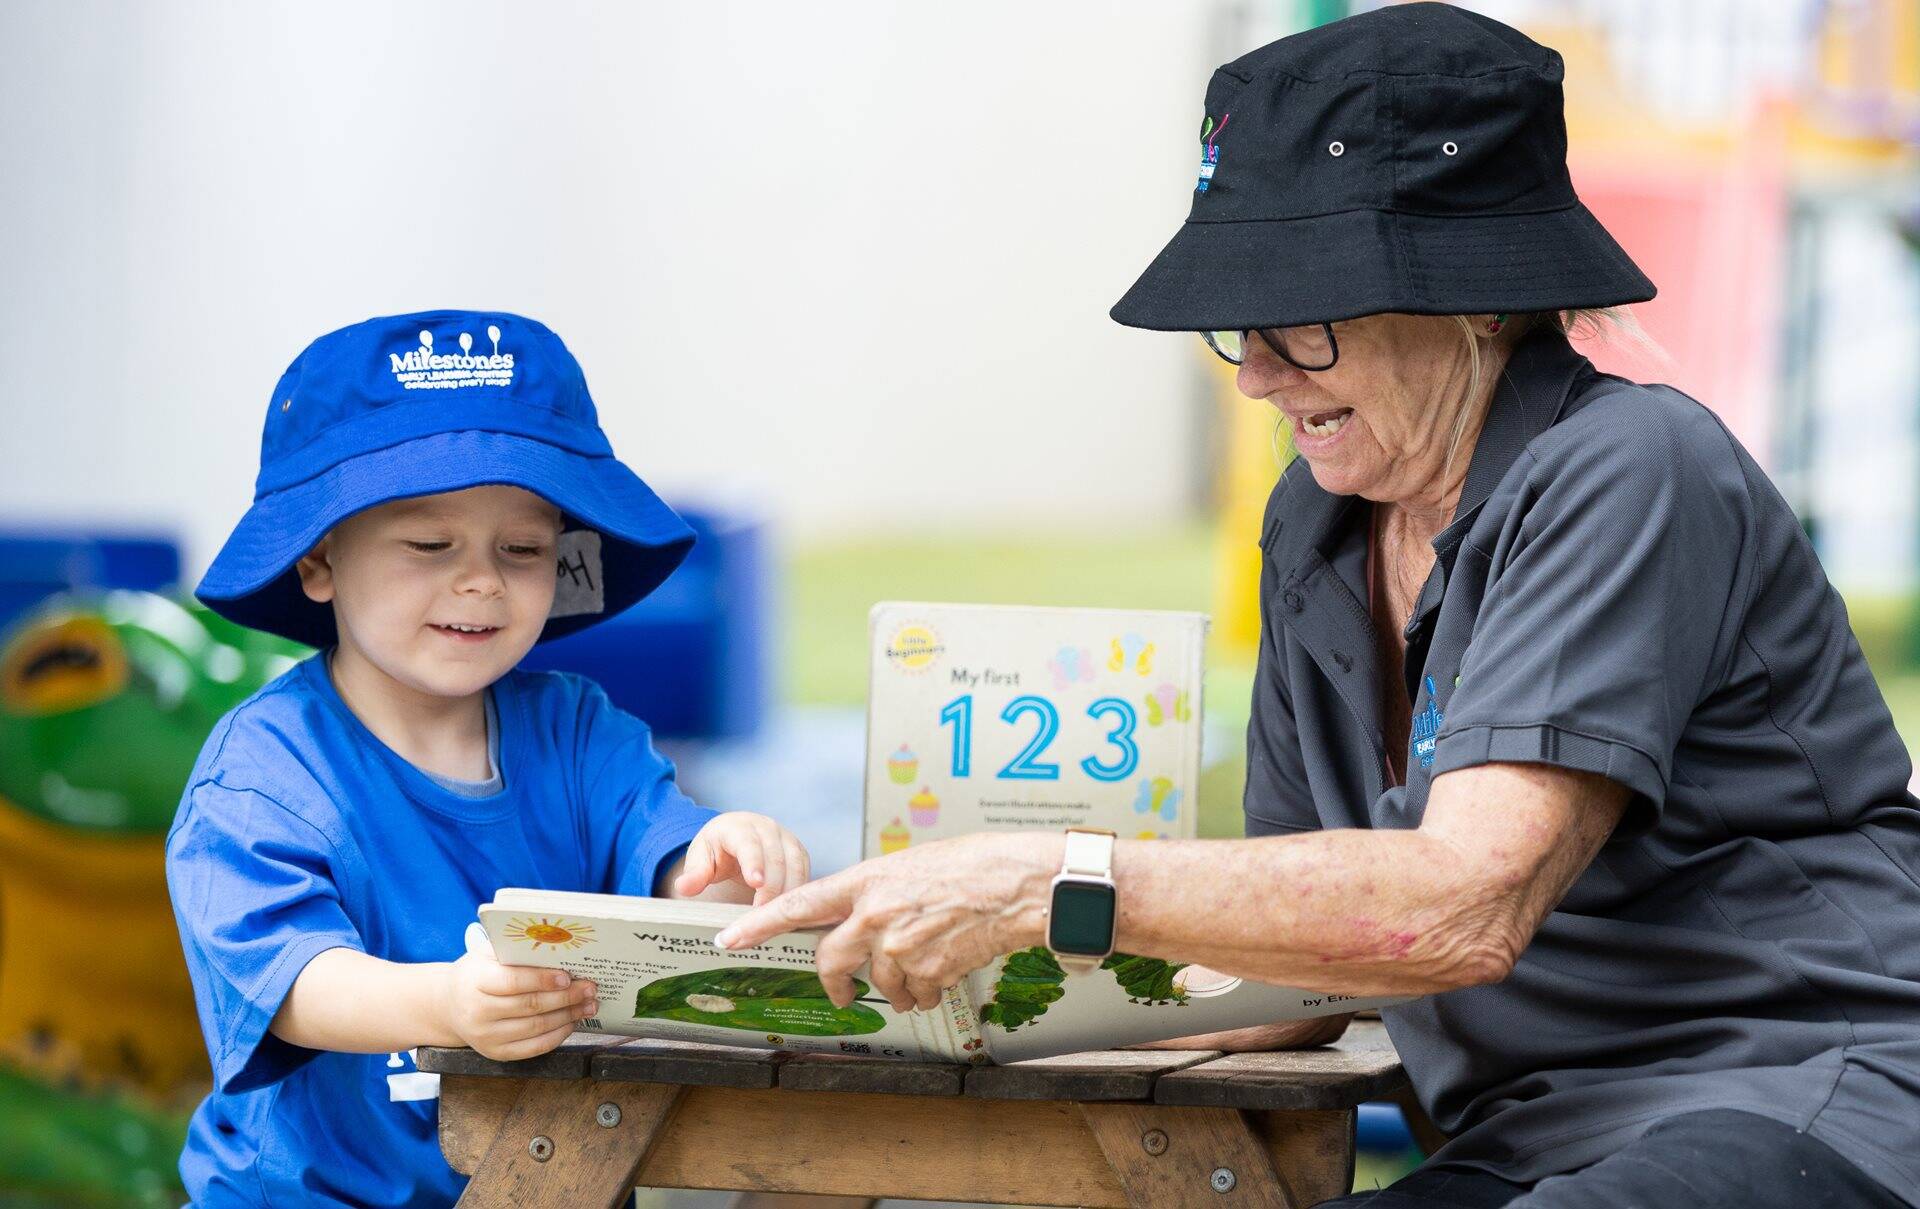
column 1292, row 600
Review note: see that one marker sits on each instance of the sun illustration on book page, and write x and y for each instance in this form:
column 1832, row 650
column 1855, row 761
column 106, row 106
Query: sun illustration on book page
column 560, row 933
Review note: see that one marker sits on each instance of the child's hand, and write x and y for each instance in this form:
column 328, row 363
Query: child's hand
column 508, row 1012
column 750, row 849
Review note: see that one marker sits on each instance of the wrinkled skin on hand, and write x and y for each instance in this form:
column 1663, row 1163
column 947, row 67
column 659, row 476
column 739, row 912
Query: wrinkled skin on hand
column 923, row 918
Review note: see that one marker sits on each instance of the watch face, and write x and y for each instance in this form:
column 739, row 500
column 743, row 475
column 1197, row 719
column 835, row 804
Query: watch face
column 1082, row 918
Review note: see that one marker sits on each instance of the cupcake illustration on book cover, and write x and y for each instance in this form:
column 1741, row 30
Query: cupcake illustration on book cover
column 925, row 808
column 894, row 836
column 903, row 766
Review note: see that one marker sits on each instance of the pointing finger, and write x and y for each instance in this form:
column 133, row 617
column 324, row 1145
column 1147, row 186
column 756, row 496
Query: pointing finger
column 697, row 874
column 816, row 904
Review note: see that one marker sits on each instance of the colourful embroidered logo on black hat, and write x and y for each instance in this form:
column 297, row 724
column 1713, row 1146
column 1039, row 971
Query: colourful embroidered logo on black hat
column 1210, row 150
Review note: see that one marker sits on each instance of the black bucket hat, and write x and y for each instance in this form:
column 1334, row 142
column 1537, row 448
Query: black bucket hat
column 1411, row 159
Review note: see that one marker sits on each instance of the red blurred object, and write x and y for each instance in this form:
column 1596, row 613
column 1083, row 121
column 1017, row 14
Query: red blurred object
column 1711, row 231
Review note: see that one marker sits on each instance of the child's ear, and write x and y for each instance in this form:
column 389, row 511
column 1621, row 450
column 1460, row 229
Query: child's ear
column 316, row 573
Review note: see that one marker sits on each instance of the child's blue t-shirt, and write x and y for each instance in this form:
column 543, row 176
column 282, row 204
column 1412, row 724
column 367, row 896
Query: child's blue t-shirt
column 300, row 832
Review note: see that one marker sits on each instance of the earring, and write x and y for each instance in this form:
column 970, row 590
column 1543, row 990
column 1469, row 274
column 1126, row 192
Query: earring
column 1495, row 324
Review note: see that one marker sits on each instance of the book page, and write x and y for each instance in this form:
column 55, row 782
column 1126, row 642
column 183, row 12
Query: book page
column 1030, row 1008
column 659, row 975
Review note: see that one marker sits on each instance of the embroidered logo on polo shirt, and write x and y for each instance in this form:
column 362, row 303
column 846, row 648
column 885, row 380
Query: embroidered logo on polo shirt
column 1209, row 150
column 1426, row 725
column 423, row 369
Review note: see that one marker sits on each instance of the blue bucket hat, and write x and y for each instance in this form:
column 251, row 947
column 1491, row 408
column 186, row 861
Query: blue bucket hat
column 432, row 402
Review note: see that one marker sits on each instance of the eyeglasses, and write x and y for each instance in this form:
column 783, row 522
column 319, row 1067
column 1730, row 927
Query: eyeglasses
column 1310, row 347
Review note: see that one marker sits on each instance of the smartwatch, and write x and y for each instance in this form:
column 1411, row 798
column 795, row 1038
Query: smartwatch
column 1081, row 910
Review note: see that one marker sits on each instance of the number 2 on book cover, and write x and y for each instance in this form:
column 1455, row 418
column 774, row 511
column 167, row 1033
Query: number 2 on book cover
column 1028, row 766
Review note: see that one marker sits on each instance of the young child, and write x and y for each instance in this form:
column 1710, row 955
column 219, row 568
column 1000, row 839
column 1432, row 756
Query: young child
column 421, row 478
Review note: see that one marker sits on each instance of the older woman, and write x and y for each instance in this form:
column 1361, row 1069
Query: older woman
column 1558, row 724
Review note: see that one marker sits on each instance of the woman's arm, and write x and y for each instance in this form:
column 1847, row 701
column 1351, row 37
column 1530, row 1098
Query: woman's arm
column 1448, row 905
column 1287, row 1034
column 1357, row 912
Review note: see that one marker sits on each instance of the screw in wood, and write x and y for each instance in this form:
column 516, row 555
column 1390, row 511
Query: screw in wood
column 541, row 1148
column 1154, row 1141
column 1222, row 1180
column 607, row 1114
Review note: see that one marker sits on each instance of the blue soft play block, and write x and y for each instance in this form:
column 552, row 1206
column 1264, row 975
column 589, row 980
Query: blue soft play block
column 34, row 564
column 1382, row 1129
column 691, row 659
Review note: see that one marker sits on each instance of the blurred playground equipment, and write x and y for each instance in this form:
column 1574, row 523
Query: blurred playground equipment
column 105, row 698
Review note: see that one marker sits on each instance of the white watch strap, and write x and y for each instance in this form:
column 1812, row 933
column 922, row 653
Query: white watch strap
column 1089, row 854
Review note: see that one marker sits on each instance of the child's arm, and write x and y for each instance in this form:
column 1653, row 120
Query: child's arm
column 346, row 1001
column 739, row 857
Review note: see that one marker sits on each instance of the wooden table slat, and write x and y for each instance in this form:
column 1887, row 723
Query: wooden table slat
column 651, row 1060
column 834, row 1072
column 1360, row 1066
column 1093, row 1076
column 569, row 1061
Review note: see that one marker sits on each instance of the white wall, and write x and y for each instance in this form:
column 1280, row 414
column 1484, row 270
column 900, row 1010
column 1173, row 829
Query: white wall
column 850, row 260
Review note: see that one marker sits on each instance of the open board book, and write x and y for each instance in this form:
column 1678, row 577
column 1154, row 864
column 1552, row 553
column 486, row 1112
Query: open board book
column 659, row 975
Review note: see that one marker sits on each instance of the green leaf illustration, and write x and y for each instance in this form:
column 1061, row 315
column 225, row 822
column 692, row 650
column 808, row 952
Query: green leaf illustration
column 1147, row 980
column 1029, row 981
column 756, row 1000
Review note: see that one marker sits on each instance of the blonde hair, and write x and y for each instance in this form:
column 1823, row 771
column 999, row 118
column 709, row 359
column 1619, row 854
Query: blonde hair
column 1581, row 323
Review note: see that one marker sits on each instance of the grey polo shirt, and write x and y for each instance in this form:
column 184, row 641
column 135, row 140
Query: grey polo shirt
column 1623, row 592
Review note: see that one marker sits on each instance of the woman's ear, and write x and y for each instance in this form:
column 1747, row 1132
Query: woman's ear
column 316, row 572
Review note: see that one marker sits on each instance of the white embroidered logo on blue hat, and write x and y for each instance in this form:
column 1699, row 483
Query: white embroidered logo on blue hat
column 424, row 369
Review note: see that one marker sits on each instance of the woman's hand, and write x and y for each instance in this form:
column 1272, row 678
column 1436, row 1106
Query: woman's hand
column 750, row 849
column 920, row 920
column 508, row 1012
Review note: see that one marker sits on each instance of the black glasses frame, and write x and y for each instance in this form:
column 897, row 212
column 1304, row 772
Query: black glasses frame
column 1279, row 349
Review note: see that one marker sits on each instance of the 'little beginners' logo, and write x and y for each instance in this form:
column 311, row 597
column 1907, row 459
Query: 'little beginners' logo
column 914, row 647
column 424, row 369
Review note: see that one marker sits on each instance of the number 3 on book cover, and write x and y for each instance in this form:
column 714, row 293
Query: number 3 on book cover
column 996, row 718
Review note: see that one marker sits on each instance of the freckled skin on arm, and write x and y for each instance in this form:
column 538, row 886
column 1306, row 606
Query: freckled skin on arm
column 1360, row 912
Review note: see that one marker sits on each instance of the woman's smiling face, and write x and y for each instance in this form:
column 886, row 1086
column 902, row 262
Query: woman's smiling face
column 1379, row 423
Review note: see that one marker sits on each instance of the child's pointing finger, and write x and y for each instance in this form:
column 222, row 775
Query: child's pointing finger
column 697, row 874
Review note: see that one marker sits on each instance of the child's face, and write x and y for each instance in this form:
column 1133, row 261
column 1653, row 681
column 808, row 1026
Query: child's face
column 443, row 593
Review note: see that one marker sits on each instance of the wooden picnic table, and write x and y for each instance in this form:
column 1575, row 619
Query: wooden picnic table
column 585, row 1123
